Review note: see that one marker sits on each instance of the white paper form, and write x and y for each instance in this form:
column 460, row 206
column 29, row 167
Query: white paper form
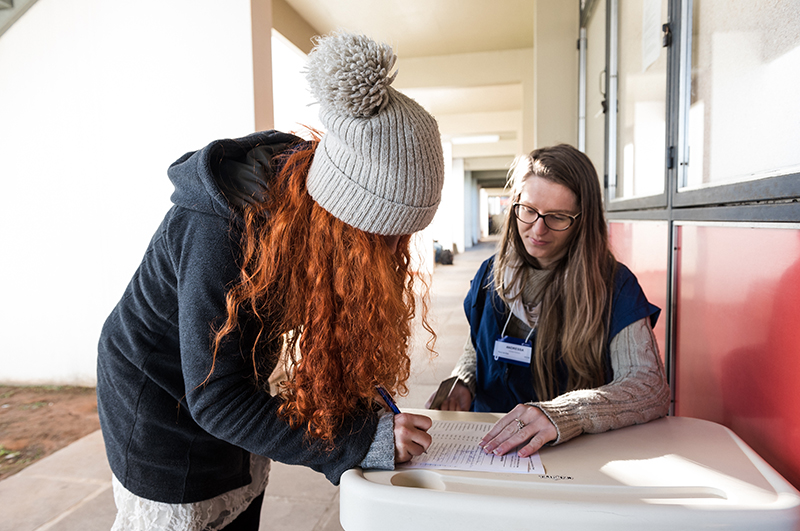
column 455, row 447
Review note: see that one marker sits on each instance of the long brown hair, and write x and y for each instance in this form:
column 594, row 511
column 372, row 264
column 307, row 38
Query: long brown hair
column 336, row 297
column 576, row 301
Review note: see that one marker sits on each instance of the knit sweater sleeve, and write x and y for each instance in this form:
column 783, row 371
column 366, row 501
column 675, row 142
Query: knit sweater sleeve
column 381, row 452
column 638, row 393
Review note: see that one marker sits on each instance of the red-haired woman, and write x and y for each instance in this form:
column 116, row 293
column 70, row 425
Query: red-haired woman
column 274, row 247
column 560, row 332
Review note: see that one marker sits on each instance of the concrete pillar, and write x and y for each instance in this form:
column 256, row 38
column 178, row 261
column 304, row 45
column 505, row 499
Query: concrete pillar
column 483, row 212
column 528, row 103
column 261, row 23
column 555, row 69
column 458, row 191
column 472, row 211
column 448, row 225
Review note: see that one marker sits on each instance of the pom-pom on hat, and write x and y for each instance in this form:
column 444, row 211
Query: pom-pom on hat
column 379, row 167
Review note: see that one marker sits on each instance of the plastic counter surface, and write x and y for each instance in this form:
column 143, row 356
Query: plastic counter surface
column 673, row 474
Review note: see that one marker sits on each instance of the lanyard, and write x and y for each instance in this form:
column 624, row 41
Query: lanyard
column 503, row 333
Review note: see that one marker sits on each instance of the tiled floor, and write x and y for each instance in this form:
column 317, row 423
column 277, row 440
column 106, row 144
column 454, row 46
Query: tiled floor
column 71, row 489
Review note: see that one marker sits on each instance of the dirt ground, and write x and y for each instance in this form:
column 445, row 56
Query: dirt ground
column 37, row 421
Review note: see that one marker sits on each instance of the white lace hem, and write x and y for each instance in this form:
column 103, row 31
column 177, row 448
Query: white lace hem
column 139, row 514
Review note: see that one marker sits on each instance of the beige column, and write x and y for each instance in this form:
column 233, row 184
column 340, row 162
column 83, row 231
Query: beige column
column 555, row 69
column 528, row 103
column 261, row 20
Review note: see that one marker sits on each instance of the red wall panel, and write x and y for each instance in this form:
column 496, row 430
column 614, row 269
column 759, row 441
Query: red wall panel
column 643, row 247
column 738, row 335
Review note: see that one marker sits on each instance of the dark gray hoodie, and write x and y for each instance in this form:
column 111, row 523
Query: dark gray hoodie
column 169, row 436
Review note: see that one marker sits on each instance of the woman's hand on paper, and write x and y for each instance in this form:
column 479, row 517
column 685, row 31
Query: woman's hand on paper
column 459, row 399
column 523, row 425
column 410, row 436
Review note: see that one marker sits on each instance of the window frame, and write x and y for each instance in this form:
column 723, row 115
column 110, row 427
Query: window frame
column 772, row 199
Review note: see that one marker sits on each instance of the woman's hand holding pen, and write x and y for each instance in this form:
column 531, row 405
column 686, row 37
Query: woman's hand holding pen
column 523, row 425
column 410, row 436
column 410, row 431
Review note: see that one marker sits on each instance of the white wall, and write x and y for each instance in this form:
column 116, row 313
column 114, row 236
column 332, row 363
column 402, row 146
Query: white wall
column 97, row 98
column 296, row 109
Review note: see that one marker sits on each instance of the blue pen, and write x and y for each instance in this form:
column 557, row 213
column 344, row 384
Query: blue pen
column 388, row 400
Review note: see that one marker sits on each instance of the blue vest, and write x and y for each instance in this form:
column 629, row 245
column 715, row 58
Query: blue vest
column 500, row 385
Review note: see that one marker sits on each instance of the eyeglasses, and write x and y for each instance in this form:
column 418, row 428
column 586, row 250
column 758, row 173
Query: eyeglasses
column 557, row 222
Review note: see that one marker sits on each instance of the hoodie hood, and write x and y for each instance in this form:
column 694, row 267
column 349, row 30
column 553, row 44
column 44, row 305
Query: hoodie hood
column 227, row 172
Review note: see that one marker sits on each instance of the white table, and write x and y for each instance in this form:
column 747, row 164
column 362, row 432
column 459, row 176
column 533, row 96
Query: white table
column 673, row 474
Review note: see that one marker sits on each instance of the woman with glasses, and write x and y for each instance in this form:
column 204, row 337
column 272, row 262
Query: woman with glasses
column 560, row 332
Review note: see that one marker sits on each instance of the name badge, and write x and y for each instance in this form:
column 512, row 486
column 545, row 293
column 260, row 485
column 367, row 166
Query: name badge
column 513, row 350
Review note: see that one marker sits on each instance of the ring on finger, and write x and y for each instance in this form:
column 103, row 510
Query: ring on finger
column 520, row 424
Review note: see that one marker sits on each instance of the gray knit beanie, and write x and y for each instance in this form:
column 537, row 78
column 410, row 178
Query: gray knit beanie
column 379, row 167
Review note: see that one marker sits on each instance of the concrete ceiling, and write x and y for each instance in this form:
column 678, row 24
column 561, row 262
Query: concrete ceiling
column 463, row 60
column 420, row 28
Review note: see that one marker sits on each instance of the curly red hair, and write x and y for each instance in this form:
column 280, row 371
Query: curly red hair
column 336, row 296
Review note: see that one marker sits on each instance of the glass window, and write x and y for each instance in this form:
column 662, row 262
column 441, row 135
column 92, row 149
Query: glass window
column 744, row 92
column 596, row 87
column 642, row 82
